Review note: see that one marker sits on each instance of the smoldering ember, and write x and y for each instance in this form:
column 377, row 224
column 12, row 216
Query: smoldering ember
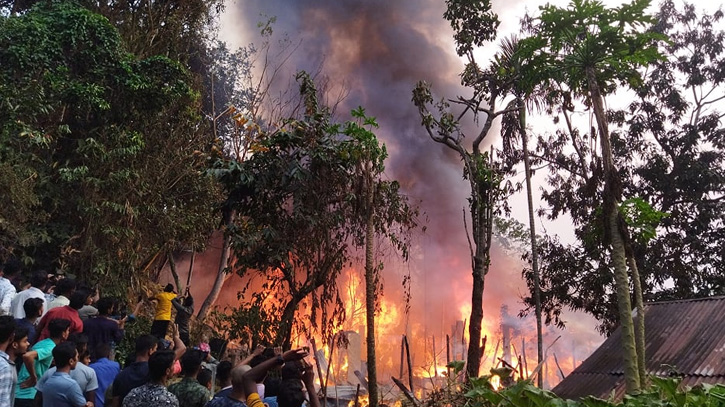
column 362, row 203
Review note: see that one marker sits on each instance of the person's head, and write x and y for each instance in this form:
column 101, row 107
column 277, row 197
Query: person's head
column 292, row 370
column 145, row 345
column 191, row 362
column 38, row 279
column 33, row 307
column 290, row 394
column 84, row 357
column 224, row 373
column 105, row 306
column 11, row 268
column 65, row 287
column 238, row 377
column 20, row 342
column 80, row 340
column 169, row 288
column 204, row 378
column 78, row 299
column 189, row 301
column 7, row 329
column 103, row 350
column 59, row 329
column 65, row 355
column 160, row 365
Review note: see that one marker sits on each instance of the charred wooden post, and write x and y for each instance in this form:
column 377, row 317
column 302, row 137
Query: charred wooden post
column 408, row 394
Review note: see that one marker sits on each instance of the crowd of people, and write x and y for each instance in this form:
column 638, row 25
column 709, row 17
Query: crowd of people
column 58, row 341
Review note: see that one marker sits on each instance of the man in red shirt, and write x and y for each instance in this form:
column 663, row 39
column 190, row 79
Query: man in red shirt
column 69, row 312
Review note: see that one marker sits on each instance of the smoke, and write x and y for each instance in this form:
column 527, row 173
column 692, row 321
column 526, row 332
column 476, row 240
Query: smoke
column 379, row 50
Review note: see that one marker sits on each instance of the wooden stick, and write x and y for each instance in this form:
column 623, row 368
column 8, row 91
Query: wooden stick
column 362, row 379
column 329, row 364
column 521, row 369
column 317, row 362
column 561, row 372
column 448, row 354
column 191, row 269
column 410, row 364
column 357, row 394
column 538, row 367
column 408, row 394
column 402, row 353
column 523, row 354
column 435, row 359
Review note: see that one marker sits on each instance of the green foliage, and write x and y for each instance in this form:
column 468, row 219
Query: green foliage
column 641, row 218
column 102, row 140
column 473, row 23
column 663, row 392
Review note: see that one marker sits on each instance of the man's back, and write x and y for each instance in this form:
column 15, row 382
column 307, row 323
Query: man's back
column 106, row 371
column 150, row 395
column 60, row 390
column 134, row 375
column 7, row 293
column 190, row 393
column 18, row 301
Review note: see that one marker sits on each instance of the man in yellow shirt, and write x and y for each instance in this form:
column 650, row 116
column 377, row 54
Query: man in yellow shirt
column 163, row 311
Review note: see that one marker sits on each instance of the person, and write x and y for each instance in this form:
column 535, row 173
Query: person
column 37, row 282
column 103, row 328
column 33, row 310
column 8, row 374
column 81, row 372
column 154, row 392
column 63, row 291
column 189, row 392
column 60, row 390
column 204, row 378
column 224, row 378
column 106, row 370
column 8, row 270
column 184, row 311
column 88, row 310
column 235, row 397
column 162, row 317
column 15, row 351
column 69, row 312
column 137, row 373
column 257, row 374
column 37, row 361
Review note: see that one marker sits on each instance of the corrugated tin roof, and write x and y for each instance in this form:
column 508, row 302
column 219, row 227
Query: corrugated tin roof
column 684, row 338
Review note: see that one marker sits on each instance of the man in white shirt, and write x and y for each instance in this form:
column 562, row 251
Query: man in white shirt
column 7, row 289
column 63, row 291
column 37, row 283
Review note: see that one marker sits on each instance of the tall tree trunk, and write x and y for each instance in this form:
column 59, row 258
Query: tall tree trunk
column 639, row 328
column 534, row 253
column 229, row 215
column 611, row 217
column 370, row 292
column 174, row 272
column 474, row 325
column 284, row 334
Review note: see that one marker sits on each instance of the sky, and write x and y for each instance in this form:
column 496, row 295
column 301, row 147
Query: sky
column 378, row 50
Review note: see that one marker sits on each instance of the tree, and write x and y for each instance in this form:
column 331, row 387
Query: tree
column 591, row 49
column 664, row 138
column 111, row 128
column 474, row 23
column 298, row 215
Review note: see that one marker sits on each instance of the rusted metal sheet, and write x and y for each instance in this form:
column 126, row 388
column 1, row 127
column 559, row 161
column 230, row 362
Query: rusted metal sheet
column 684, row 338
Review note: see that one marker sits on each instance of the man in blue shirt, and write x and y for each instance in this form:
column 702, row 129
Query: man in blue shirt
column 135, row 374
column 60, row 390
column 106, row 371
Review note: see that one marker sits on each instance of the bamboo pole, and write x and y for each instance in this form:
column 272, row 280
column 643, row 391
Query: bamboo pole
column 435, row 359
column 402, row 353
column 410, row 364
column 561, row 372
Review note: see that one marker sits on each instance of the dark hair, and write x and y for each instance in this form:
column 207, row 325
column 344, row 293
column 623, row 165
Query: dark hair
column 191, row 361
column 39, row 278
column 20, row 333
column 11, row 267
column 259, row 359
column 145, row 343
column 83, row 355
column 57, row 326
column 189, row 301
column 204, row 377
column 33, row 306
column 291, row 394
column 159, row 362
column 224, row 371
column 63, row 353
column 169, row 288
column 79, row 339
column 105, row 306
column 7, row 327
column 78, row 299
column 65, row 286
column 103, row 350
column 292, row 370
